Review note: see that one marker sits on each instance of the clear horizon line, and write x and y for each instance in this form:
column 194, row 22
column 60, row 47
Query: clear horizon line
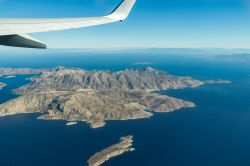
column 120, row 48
column 117, row 48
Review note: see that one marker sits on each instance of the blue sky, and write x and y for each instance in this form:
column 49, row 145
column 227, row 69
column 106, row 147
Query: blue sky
column 152, row 23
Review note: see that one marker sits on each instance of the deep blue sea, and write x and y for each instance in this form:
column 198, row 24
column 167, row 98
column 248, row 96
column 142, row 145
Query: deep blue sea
column 215, row 133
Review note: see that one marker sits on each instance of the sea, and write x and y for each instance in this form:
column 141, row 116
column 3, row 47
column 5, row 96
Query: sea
column 214, row 133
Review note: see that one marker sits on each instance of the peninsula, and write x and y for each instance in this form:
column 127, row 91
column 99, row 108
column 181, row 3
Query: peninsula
column 2, row 85
column 115, row 150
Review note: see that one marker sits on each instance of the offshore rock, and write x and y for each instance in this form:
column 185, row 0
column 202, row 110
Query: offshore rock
column 115, row 150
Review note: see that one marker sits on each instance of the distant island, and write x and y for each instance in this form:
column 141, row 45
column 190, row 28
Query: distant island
column 77, row 95
column 20, row 71
column 9, row 76
column 219, row 81
column 2, row 85
column 115, row 150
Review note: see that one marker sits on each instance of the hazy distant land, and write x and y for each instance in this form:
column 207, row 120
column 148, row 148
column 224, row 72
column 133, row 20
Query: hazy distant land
column 219, row 81
column 94, row 97
column 9, row 76
column 20, row 71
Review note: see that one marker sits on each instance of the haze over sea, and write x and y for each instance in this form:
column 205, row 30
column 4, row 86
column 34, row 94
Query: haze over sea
column 216, row 132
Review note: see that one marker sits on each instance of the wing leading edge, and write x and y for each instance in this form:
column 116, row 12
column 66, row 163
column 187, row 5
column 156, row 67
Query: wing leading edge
column 12, row 31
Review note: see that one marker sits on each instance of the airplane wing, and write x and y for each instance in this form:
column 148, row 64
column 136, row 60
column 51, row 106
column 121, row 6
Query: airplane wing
column 13, row 32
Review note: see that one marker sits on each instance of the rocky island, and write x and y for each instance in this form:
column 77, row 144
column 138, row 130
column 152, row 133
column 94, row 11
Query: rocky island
column 2, row 85
column 112, row 151
column 77, row 95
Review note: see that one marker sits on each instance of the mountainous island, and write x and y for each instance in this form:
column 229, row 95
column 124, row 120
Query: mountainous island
column 2, row 85
column 115, row 150
column 77, row 95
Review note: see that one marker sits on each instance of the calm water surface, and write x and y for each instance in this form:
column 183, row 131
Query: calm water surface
column 216, row 132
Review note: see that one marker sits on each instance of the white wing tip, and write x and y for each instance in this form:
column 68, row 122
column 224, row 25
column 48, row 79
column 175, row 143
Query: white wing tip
column 122, row 11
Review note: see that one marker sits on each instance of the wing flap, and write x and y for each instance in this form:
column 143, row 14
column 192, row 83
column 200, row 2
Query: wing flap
column 21, row 40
